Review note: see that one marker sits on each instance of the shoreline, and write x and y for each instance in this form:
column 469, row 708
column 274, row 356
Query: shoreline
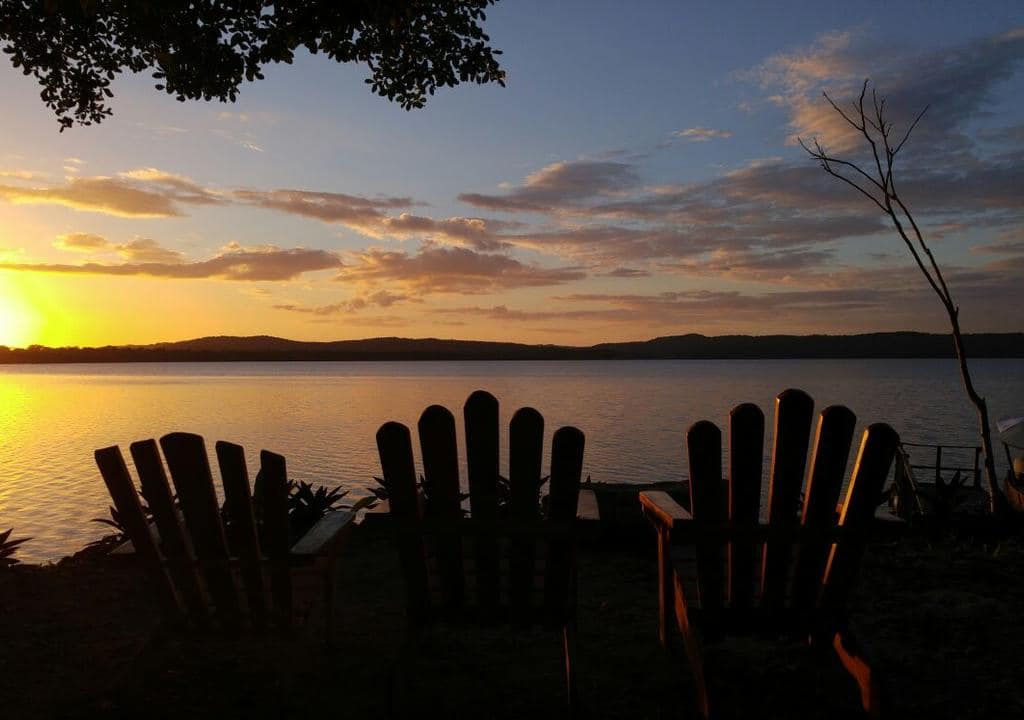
column 890, row 345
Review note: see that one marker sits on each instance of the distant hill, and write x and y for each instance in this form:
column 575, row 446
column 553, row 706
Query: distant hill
column 265, row 347
column 870, row 345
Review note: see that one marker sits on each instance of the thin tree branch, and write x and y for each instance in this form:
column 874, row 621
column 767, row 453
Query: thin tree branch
column 821, row 155
column 911, row 129
column 840, row 111
column 893, row 206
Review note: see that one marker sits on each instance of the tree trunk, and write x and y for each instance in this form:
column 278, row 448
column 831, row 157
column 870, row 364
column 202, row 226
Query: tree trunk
column 995, row 494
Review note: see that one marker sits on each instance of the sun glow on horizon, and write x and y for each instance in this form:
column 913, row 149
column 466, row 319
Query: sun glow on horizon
column 19, row 321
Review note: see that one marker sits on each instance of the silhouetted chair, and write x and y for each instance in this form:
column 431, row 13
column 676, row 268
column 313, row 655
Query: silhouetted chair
column 724, row 571
column 234, row 570
column 508, row 561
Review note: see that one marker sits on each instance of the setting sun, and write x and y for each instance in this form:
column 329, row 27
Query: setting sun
column 18, row 321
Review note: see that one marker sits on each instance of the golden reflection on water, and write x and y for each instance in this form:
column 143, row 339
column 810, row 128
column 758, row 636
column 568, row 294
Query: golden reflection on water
column 323, row 416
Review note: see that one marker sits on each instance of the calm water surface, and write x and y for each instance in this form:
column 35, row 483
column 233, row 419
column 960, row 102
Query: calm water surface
column 323, row 416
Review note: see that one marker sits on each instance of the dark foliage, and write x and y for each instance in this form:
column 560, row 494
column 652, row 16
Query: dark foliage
column 381, row 492
column 944, row 498
column 205, row 49
column 120, row 533
column 307, row 505
column 8, row 547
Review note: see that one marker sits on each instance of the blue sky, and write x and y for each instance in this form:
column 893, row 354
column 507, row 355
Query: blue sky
column 636, row 177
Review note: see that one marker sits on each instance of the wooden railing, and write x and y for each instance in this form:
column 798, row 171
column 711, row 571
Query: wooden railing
column 937, row 468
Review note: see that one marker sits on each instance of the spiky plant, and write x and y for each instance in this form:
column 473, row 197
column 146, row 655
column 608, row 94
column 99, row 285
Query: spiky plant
column 8, row 547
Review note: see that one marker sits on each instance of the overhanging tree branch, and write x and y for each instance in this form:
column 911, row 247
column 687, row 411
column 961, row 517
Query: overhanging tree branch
column 205, row 49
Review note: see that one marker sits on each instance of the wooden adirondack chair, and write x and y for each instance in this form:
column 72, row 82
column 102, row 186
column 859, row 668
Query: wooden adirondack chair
column 212, row 577
column 501, row 564
column 724, row 571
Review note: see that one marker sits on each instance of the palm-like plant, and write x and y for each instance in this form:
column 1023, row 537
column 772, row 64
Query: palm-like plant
column 8, row 547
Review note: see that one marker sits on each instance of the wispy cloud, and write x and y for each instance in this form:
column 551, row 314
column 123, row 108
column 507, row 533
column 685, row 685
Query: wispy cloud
column 478, row 233
column 143, row 250
column 145, row 193
column 627, row 272
column 21, row 174
column 381, row 298
column 957, row 83
column 702, row 134
column 436, row 269
column 328, row 207
column 560, row 184
column 81, row 242
column 260, row 264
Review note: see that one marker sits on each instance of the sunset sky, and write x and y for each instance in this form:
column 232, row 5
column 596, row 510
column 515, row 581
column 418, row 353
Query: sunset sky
column 638, row 176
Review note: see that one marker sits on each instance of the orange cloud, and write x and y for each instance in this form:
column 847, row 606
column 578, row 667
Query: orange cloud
column 81, row 242
column 325, row 206
column 381, row 298
column 147, row 193
column 452, row 270
column 139, row 250
column 254, row 265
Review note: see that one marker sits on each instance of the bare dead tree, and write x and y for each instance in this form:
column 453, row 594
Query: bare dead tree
column 878, row 185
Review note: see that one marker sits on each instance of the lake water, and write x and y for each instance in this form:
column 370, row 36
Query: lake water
column 323, row 416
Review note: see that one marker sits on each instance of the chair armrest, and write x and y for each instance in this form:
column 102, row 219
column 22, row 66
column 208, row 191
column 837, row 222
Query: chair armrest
column 377, row 513
column 586, row 508
column 662, row 511
column 324, row 537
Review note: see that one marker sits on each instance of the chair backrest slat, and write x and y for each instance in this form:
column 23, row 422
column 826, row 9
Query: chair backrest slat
column 190, row 472
column 877, row 450
column 828, row 466
column 175, row 547
column 708, row 505
column 519, row 565
column 563, row 499
column 129, row 509
column 441, row 475
column 242, row 527
column 481, row 422
column 794, row 410
column 273, row 495
column 394, row 444
column 526, row 444
column 746, row 445
column 827, row 544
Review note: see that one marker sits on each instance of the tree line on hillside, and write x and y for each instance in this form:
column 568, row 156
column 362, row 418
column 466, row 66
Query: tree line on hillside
column 872, row 345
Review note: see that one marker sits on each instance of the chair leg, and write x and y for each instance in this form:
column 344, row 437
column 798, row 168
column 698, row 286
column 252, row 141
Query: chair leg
column 569, row 638
column 400, row 676
column 664, row 587
column 855, row 658
column 694, row 651
column 330, row 578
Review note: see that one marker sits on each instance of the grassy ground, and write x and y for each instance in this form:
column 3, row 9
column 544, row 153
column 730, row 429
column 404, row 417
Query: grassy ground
column 942, row 617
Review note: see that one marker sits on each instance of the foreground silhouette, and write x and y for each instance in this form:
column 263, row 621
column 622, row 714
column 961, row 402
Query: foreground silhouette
column 75, row 49
column 200, row 569
column 792, row 575
column 520, row 560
